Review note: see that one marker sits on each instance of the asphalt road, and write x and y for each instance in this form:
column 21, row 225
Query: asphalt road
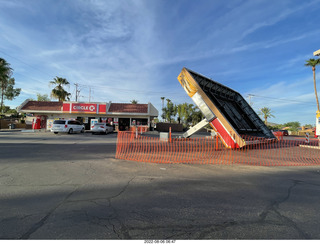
column 71, row 187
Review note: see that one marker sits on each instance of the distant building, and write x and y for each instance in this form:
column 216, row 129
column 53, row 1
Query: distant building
column 122, row 115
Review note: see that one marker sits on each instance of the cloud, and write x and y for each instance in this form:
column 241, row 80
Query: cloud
column 99, row 43
column 134, row 49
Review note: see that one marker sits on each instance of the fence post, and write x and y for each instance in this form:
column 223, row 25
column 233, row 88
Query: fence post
column 217, row 142
column 169, row 134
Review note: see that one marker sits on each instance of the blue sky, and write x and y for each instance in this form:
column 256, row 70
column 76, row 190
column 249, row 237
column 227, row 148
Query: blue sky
column 135, row 49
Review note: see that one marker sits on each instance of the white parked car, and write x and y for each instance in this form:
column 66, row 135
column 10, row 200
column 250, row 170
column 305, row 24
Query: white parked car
column 67, row 126
column 101, row 128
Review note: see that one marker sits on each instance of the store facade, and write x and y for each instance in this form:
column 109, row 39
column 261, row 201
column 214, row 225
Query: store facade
column 123, row 116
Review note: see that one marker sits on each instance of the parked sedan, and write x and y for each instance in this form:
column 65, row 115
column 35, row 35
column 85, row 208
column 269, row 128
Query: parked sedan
column 101, row 128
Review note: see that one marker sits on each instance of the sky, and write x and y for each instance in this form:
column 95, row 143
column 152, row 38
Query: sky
column 123, row 50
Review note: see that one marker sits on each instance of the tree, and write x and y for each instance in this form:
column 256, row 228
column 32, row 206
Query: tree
column 196, row 116
column 7, row 110
column 162, row 116
column 293, row 125
column 134, row 101
column 188, row 110
column 43, row 97
column 7, row 90
column 313, row 63
column 179, row 109
column 266, row 113
column 169, row 111
column 308, row 126
column 58, row 91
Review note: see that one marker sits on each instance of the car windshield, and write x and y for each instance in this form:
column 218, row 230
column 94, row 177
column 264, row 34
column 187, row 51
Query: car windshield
column 59, row 122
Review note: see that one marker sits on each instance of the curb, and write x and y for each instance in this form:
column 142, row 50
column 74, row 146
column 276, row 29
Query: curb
column 10, row 130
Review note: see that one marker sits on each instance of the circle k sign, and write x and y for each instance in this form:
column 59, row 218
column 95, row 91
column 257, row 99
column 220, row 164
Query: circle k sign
column 84, row 107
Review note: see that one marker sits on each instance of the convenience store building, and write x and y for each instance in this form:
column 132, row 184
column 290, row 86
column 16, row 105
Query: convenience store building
column 122, row 116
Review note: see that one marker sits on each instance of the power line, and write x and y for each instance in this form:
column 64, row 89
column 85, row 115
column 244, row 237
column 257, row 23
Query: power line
column 97, row 86
column 250, row 103
column 131, row 90
column 279, row 99
column 25, row 63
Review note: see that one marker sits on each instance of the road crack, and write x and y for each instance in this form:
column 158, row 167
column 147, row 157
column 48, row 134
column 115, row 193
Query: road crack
column 123, row 231
column 273, row 208
column 39, row 224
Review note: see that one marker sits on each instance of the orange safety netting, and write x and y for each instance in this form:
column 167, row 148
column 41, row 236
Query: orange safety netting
column 210, row 150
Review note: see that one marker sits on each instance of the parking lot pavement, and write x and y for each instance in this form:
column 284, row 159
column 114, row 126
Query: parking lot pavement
column 71, row 187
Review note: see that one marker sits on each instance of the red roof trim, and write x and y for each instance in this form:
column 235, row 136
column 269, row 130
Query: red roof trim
column 42, row 106
column 38, row 106
column 128, row 108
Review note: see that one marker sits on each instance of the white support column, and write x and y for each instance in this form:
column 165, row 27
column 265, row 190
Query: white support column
column 195, row 128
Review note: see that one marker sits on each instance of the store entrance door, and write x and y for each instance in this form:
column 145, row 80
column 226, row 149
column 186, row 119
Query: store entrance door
column 124, row 124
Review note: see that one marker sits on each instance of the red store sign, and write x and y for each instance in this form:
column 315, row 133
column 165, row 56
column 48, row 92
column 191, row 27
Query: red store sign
column 84, row 107
column 87, row 108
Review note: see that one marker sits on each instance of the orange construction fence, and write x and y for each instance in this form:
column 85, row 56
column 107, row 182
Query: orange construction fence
column 140, row 129
column 210, row 150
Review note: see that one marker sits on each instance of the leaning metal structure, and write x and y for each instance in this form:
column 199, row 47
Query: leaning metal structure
column 227, row 112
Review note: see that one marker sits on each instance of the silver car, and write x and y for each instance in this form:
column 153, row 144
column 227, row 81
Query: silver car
column 67, row 126
column 101, row 128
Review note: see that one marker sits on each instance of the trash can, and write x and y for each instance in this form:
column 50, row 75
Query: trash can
column 12, row 126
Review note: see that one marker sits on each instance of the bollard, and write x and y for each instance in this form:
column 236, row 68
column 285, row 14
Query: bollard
column 217, row 142
column 307, row 138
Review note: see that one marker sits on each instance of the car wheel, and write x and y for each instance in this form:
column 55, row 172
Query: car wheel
column 82, row 131
column 70, row 131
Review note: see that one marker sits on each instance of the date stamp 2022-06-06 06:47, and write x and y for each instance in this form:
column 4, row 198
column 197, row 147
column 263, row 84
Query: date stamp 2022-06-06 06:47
column 159, row 241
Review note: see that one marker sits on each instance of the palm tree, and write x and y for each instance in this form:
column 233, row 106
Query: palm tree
column 313, row 63
column 5, row 73
column 58, row 92
column 266, row 113
column 134, row 101
column 7, row 90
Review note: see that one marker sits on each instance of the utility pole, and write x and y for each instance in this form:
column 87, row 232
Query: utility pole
column 77, row 91
column 89, row 94
column 250, row 95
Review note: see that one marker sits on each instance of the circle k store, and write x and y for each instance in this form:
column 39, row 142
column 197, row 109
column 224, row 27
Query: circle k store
column 123, row 116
